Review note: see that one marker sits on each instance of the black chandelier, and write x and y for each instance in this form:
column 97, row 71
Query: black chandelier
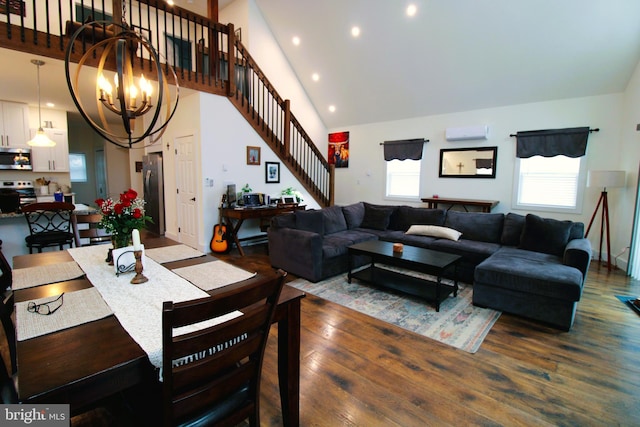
column 133, row 97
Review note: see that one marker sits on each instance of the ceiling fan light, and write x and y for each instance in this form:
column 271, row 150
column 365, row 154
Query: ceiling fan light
column 41, row 140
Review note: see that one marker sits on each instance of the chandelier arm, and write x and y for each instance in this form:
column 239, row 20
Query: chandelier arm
column 120, row 59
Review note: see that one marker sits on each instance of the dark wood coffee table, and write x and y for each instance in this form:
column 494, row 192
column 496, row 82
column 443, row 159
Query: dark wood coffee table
column 411, row 258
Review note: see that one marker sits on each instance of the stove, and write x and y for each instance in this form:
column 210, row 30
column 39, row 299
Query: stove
column 24, row 189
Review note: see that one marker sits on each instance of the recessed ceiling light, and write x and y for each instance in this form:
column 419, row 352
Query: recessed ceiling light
column 355, row 31
column 315, row 77
column 50, row 104
column 411, row 10
column 332, row 108
column 296, row 40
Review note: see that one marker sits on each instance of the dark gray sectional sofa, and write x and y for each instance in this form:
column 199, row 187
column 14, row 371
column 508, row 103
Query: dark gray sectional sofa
column 526, row 265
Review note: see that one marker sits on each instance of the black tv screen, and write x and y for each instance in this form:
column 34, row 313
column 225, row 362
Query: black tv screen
column 231, row 195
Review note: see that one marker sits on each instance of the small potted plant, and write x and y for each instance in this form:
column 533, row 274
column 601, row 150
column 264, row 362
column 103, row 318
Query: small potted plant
column 290, row 191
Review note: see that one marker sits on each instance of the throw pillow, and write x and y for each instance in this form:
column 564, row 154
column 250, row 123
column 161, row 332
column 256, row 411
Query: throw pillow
column 545, row 235
column 310, row 220
column 376, row 217
column 512, row 229
column 434, row 231
column 333, row 219
column 353, row 214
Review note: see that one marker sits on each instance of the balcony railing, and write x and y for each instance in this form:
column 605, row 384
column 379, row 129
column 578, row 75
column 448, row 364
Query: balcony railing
column 198, row 50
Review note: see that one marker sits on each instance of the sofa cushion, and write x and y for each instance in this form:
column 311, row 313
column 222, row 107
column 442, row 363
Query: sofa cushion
column 471, row 251
column 406, row 216
column 530, row 272
column 310, row 220
column 397, row 236
column 333, row 219
column 546, row 235
column 434, row 231
column 353, row 215
column 376, row 217
column 577, row 231
column 512, row 229
column 286, row 220
column 483, row 227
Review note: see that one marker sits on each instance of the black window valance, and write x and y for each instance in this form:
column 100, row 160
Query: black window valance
column 403, row 149
column 570, row 142
column 484, row 163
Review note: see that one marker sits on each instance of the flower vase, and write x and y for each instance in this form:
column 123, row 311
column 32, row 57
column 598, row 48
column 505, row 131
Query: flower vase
column 117, row 241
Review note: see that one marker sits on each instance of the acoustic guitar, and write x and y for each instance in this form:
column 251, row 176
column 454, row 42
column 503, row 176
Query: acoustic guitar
column 219, row 242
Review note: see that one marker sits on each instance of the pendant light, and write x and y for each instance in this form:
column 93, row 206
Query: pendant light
column 40, row 139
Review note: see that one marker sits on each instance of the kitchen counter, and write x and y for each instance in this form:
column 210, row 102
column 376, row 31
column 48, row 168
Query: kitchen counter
column 13, row 230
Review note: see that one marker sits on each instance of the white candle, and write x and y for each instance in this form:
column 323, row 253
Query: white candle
column 135, row 237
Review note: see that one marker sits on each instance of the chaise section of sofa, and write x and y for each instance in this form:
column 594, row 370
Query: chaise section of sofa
column 542, row 276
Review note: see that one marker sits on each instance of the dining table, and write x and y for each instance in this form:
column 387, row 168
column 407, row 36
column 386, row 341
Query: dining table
column 82, row 364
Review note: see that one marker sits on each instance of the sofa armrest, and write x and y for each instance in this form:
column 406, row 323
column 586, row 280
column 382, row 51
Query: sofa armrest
column 577, row 254
column 296, row 251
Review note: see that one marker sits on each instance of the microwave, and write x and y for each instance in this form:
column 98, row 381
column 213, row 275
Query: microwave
column 15, row 158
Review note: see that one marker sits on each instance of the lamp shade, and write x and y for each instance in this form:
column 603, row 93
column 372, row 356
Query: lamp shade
column 604, row 179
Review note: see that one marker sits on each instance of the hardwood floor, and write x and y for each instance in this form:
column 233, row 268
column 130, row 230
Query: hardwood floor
column 360, row 371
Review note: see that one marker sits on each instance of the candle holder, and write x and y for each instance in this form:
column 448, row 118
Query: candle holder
column 139, row 277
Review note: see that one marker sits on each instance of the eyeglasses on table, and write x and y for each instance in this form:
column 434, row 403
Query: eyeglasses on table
column 45, row 307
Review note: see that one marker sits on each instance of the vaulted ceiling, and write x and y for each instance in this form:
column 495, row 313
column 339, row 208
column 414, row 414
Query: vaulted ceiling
column 453, row 55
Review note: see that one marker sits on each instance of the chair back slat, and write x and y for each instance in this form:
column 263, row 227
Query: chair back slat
column 219, row 366
column 87, row 229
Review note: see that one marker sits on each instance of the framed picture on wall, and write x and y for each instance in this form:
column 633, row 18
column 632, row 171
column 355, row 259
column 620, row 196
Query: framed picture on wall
column 253, row 155
column 272, row 172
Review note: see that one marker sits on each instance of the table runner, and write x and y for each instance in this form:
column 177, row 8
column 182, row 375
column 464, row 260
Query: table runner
column 213, row 275
column 44, row 274
column 78, row 307
column 172, row 253
column 139, row 307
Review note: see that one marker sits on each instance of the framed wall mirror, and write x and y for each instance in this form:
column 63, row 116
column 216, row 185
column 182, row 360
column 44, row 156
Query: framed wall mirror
column 468, row 162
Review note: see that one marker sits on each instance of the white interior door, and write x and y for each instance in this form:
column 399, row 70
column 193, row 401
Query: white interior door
column 186, row 187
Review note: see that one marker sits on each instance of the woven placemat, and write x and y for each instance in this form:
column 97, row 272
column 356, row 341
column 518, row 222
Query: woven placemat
column 78, row 307
column 172, row 253
column 213, row 275
column 44, row 274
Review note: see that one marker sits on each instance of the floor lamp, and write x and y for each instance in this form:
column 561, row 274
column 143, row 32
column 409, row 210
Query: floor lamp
column 604, row 179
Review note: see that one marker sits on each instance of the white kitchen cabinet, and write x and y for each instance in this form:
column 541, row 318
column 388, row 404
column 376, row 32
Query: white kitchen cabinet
column 14, row 125
column 51, row 159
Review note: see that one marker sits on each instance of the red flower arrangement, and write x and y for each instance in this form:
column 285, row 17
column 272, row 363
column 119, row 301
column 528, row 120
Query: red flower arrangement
column 121, row 217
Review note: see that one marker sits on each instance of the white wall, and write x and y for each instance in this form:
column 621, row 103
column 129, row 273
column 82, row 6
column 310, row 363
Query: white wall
column 266, row 51
column 364, row 179
column 629, row 156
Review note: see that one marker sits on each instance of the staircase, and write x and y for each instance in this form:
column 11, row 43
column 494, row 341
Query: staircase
column 218, row 55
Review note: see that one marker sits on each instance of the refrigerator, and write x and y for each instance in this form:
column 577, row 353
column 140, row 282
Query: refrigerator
column 154, row 192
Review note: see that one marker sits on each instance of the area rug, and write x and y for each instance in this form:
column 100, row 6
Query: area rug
column 458, row 323
column 626, row 300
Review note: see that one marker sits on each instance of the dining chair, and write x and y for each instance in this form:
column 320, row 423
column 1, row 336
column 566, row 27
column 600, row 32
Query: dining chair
column 49, row 225
column 212, row 376
column 6, row 279
column 91, row 230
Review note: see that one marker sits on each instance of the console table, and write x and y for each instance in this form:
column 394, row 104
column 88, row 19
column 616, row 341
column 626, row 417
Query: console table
column 263, row 213
column 484, row 205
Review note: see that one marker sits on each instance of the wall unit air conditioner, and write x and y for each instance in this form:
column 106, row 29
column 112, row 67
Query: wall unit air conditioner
column 465, row 133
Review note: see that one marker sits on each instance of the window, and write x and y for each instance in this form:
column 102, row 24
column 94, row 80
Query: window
column 403, row 178
column 77, row 167
column 553, row 184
